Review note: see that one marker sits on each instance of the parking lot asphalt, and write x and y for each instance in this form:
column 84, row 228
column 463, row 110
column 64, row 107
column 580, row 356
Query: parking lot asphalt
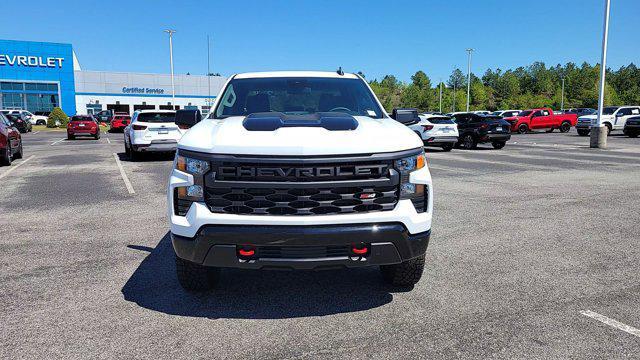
column 526, row 241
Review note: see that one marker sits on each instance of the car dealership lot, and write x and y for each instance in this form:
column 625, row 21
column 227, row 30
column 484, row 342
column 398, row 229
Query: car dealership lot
column 524, row 240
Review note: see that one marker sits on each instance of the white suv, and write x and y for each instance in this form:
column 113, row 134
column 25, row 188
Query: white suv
column 300, row 170
column 437, row 130
column 152, row 131
column 27, row 115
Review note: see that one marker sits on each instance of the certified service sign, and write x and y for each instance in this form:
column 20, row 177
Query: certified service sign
column 30, row 61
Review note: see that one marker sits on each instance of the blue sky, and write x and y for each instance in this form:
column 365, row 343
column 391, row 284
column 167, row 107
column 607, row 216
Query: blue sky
column 376, row 37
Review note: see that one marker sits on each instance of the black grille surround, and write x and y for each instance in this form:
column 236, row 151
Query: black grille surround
column 253, row 185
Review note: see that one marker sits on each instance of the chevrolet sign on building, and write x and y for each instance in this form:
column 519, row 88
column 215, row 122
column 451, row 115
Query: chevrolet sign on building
column 38, row 76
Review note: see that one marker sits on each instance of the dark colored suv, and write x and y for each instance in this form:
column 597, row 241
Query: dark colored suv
column 19, row 123
column 474, row 129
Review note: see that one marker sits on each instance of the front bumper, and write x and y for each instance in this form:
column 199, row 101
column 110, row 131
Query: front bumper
column 301, row 247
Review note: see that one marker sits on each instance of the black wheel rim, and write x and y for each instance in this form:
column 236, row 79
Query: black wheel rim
column 468, row 142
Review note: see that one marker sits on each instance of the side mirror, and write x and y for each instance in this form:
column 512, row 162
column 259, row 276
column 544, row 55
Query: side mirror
column 406, row 116
column 185, row 119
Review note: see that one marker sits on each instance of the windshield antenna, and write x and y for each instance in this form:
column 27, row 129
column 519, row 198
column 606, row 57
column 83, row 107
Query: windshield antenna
column 340, row 72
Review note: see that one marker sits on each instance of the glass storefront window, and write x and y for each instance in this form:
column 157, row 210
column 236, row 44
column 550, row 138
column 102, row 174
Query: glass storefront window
column 19, row 95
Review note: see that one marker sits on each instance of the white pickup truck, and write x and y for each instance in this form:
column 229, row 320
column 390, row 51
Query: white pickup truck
column 613, row 117
column 299, row 170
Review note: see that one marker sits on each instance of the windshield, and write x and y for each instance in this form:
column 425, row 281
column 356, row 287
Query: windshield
column 440, row 120
column 525, row 113
column 297, row 96
column 81, row 118
column 609, row 110
column 159, row 117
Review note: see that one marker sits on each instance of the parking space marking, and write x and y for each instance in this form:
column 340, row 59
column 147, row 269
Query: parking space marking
column 109, row 141
column 15, row 167
column 613, row 323
column 127, row 183
column 36, row 132
column 444, row 168
column 57, row 141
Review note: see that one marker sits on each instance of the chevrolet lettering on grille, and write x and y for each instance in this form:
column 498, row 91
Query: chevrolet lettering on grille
column 302, row 172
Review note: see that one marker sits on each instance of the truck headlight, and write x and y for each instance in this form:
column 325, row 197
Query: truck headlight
column 185, row 195
column 415, row 192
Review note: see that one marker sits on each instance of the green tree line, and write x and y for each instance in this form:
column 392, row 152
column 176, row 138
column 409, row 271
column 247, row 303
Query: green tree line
column 532, row 86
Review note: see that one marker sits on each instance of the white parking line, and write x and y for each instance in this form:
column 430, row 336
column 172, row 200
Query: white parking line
column 613, row 323
column 127, row 183
column 13, row 168
column 109, row 141
column 36, row 132
column 57, row 141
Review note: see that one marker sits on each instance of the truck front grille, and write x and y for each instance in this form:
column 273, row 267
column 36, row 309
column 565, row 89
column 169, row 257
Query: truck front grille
column 301, row 201
column 313, row 187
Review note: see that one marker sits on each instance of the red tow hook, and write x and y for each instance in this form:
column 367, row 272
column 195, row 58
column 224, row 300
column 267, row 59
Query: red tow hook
column 360, row 249
column 246, row 252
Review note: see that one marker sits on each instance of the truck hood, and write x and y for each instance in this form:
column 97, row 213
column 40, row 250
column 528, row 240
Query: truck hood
column 594, row 117
column 229, row 136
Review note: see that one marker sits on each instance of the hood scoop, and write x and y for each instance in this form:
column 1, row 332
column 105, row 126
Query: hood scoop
column 271, row 121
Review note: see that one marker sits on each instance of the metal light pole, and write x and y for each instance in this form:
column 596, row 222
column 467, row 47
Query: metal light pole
column 208, row 71
column 469, row 77
column 598, row 132
column 173, row 87
column 440, row 95
column 562, row 99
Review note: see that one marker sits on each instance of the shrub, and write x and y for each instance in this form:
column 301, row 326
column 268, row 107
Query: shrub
column 57, row 117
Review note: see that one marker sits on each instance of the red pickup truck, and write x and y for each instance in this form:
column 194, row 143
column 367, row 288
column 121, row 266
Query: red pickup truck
column 542, row 118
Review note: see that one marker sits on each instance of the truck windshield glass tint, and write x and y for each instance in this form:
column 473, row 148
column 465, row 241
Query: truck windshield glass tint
column 297, row 96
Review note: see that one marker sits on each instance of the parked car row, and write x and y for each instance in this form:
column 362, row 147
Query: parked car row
column 466, row 130
column 24, row 115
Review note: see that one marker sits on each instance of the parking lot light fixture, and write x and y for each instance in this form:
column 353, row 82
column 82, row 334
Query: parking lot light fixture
column 173, row 87
column 598, row 132
column 469, row 51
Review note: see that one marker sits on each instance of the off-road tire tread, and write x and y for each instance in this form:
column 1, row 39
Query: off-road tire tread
column 407, row 273
column 195, row 277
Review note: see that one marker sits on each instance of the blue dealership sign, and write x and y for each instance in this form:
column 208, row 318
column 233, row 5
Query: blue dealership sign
column 30, row 71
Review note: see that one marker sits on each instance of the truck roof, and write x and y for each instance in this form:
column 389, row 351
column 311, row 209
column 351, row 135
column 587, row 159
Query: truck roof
column 273, row 74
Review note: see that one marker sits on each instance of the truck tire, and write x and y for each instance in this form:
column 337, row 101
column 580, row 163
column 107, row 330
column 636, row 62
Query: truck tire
column 523, row 129
column 195, row 277
column 498, row 144
column 407, row 273
column 565, row 127
column 550, row 130
column 469, row 142
column 583, row 132
column 632, row 134
column 608, row 128
column 447, row 147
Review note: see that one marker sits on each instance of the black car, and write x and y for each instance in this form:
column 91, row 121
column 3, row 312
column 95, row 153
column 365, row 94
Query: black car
column 580, row 111
column 22, row 125
column 632, row 127
column 474, row 129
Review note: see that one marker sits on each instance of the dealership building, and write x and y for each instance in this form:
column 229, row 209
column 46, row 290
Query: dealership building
column 38, row 76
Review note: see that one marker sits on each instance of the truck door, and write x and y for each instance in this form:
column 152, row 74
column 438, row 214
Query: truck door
column 623, row 114
column 537, row 120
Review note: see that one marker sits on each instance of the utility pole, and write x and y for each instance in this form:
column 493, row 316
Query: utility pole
column 598, row 132
column 469, row 51
column 562, row 99
column 173, row 86
column 440, row 95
